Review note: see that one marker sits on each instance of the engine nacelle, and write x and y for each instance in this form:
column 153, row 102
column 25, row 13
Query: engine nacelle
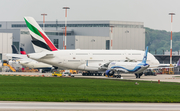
column 109, row 72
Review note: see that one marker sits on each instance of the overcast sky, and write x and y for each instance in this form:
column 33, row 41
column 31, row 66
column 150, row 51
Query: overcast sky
column 154, row 13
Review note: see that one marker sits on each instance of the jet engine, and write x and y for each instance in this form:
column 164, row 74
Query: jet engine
column 109, row 72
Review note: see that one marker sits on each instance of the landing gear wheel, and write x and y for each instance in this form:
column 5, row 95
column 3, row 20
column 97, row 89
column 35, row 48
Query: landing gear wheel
column 137, row 75
column 118, row 76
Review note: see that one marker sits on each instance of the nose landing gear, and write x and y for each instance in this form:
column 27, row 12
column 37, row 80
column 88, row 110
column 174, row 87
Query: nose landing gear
column 138, row 75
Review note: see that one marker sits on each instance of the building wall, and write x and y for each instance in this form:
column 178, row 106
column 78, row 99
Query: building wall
column 15, row 36
column 25, row 42
column 130, row 37
column 90, row 42
column 5, row 45
column 126, row 35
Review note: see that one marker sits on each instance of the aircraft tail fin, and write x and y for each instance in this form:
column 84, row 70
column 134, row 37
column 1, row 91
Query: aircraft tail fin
column 178, row 63
column 145, row 55
column 39, row 38
column 14, row 49
column 22, row 51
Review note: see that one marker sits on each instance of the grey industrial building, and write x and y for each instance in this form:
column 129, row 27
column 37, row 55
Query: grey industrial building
column 81, row 34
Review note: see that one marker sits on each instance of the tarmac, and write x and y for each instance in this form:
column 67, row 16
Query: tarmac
column 80, row 106
column 159, row 77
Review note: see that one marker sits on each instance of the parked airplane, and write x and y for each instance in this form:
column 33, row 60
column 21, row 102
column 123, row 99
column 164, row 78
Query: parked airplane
column 14, row 49
column 128, row 67
column 27, row 62
column 86, row 60
column 22, row 51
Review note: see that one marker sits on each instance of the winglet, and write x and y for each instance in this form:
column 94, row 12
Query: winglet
column 145, row 55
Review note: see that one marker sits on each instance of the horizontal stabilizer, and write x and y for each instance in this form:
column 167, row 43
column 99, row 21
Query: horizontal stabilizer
column 16, row 55
column 47, row 56
column 40, row 56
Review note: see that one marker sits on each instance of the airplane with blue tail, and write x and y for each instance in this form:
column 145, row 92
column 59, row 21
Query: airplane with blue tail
column 128, row 67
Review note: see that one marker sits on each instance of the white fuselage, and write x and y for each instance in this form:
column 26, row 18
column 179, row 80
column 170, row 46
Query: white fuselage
column 89, row 60
column 128, row 67
column 34, row 64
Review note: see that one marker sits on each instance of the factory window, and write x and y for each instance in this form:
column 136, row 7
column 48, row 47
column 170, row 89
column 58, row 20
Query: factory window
column 127, row 26
column 77, row 25
column 18, row 25
column 50, row 25
column 81, row 25
column 57, row 33
column 16, row 44
column 0, row 56
column 23, row 25
column 107, row 44
column 56, row 43
column 24, row 32
column 87, row 25
column 41, row 25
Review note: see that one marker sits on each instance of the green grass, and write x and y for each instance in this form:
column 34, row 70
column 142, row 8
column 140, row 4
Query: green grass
column 17, row 88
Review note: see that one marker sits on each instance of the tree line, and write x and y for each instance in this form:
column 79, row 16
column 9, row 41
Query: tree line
column 159, row 40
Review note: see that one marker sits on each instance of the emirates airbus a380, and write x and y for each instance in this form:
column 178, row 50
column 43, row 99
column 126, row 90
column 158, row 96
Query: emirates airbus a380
column 87, row 60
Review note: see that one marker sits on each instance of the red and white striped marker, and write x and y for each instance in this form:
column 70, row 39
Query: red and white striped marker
column 65, row 25
column 44, row 20
column 111, row 37
column 171, row 38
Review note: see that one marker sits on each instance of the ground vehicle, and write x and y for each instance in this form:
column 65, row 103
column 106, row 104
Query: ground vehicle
column 57, row 73
column 149, row 72
column 66, row 74
column 5, row 63
column 73, row 71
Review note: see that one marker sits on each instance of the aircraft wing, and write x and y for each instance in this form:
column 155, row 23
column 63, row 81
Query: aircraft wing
column 17, row 56
column 161, row 66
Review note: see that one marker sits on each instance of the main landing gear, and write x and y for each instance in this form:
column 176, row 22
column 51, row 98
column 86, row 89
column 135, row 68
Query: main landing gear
column 117, row 76
column 138, row 75
column 91, row 74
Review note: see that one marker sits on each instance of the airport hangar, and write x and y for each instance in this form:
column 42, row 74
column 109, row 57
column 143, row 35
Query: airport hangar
column 80, row 34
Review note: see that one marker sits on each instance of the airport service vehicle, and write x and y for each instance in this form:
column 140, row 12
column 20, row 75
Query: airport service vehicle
column 128, row 67
column 149, row 72
column 5, row 63
column 57, row 73
column 92, row 61
column 67, row 74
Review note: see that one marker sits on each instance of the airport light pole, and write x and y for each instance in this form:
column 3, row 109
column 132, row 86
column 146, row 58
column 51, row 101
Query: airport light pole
column 111, row 28
column 65, row 24
column 63, row 37
column 44, row 19
column 171, row 38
